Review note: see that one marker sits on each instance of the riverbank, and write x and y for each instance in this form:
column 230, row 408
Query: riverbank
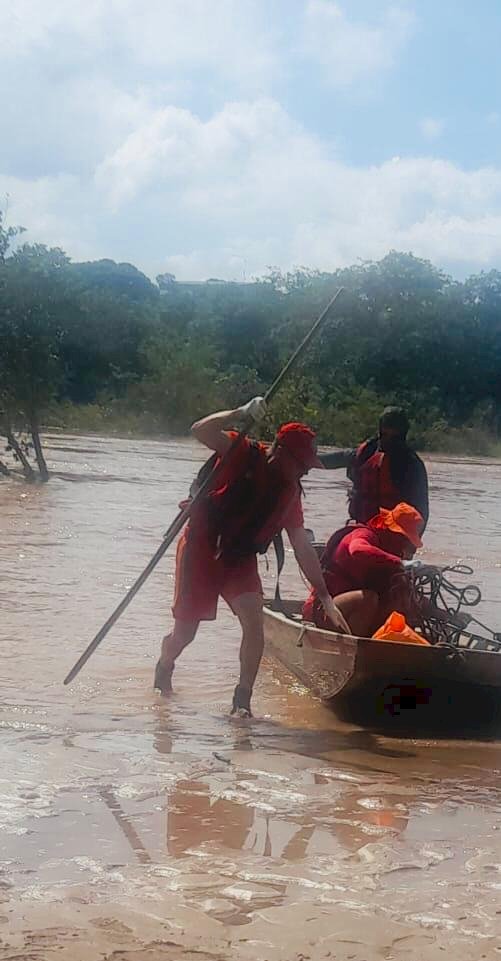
column 114, row 420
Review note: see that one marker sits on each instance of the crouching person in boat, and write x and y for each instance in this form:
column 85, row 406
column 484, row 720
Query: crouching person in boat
column 255, row 495
column 363, row 569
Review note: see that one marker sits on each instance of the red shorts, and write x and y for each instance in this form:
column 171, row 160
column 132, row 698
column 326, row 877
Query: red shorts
column 201, row 580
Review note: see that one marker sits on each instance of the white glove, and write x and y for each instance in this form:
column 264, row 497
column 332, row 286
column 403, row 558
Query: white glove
column 255, row 409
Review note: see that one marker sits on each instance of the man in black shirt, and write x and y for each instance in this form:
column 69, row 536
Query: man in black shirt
column 383, row 470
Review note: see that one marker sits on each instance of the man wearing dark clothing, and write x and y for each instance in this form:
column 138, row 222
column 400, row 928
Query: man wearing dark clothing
column 383, row 470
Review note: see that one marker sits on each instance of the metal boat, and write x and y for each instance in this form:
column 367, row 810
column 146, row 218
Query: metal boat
column 365, row 677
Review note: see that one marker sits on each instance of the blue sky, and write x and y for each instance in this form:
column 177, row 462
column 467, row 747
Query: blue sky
column 220, row 137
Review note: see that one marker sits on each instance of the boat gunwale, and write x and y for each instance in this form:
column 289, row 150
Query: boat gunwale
column 333, row 636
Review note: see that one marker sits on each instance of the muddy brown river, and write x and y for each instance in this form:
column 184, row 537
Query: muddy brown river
column 138, row 829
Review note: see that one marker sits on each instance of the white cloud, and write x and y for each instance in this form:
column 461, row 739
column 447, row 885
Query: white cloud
column 249, row 181
column 431, row 128
column 350, row 50
column 58, row 211
column 85, row 77
column 248, row 187
column 27, row 25
column 77, row 78
column 176, row 148
column 149, row 134
column 231, row 37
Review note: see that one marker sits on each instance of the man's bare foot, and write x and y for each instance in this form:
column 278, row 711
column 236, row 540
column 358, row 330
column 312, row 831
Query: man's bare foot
column 163, row 678
column 241, row 702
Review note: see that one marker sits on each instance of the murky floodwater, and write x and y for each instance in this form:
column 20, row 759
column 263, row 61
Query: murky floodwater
column 133, row 828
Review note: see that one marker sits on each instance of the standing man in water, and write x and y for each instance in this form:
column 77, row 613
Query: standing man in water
column 384, row 471
column 256, row 494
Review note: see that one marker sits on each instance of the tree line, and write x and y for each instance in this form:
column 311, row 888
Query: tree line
column 99, row 346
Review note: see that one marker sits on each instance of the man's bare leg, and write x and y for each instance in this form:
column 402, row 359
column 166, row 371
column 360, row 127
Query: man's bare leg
column 249, row 610
column 361, row 610
column 173, row 644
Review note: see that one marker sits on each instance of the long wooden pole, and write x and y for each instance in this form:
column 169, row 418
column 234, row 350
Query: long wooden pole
column 179, row 521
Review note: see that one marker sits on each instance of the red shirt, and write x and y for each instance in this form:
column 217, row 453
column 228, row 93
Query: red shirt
column 360, row 563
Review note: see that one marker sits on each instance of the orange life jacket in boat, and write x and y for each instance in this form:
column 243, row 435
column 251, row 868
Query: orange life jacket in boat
column 373, row 486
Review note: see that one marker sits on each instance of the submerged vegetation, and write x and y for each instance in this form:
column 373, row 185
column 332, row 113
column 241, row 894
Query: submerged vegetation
column 97, row 346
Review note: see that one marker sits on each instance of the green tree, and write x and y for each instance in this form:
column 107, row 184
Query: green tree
column 34, row 301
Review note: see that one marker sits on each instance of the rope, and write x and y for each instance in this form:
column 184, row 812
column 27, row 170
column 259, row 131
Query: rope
column 434, row 586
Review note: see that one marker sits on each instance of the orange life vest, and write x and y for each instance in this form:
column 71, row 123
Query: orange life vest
column 373, row 486
column 243, row 515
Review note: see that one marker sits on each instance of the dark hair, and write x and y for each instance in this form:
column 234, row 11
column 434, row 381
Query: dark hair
column 396, row 419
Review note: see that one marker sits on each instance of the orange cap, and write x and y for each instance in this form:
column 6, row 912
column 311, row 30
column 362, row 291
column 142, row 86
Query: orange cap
column 403, row 519
column 300, row 441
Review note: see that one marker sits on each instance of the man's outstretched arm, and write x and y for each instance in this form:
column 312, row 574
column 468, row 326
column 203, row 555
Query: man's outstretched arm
column 309, row 563
column 338, row 458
